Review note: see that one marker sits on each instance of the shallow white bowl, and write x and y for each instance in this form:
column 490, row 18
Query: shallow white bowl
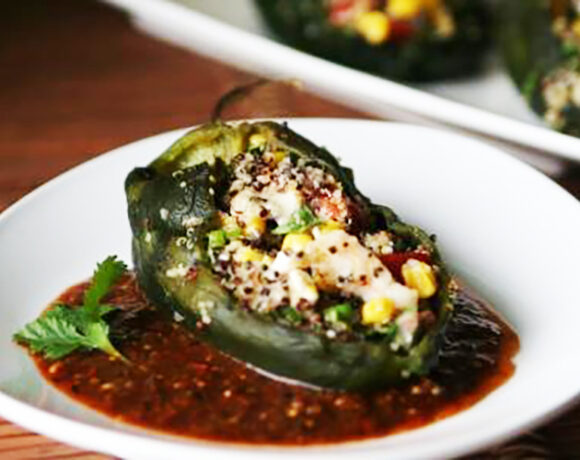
column 506, row 229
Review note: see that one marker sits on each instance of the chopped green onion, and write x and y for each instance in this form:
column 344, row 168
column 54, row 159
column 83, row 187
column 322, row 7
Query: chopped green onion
column 388, row 331
column 216, row 239
column 291, row 315
column 300, row 221
column 342, row 312
column 233, row 233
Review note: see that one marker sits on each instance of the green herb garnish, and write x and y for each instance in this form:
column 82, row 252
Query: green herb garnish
column 216, row 239
column 386, row 331
column 292, row 315
column 233, row 232
column 339, row 313
column 300, row 221
column 63, row 329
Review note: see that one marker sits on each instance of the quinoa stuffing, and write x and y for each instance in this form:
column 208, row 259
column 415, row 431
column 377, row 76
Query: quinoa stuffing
column 288, row 247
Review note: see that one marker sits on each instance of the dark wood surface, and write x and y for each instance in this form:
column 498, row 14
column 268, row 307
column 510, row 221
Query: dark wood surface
column 76, row 79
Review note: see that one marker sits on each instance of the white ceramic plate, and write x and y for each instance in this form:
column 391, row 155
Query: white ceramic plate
column 505, row 228
column 232, row 31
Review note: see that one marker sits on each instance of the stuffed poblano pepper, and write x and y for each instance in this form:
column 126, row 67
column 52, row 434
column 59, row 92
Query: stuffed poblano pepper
column 260, row 241
column 541, row 46
column 412, row 40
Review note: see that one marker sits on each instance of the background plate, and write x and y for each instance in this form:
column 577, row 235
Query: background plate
column 232, row 31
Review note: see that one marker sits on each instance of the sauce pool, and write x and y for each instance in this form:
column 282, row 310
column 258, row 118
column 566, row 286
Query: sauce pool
column 179, row 385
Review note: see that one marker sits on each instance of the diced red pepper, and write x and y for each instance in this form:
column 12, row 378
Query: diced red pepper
column 340, row 12
column 401, row 30
column 396, row 260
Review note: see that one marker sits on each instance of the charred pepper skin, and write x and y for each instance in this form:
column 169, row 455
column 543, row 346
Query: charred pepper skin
column 532, row 51
column 424, row 57
column 176, row 188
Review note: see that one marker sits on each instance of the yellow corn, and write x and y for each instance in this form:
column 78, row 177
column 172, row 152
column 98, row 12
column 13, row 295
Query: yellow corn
column 443, row 21
column 226, row 219
column 279, row 155
column 228, row 222
column 255, row 226
column 329, row 226
column 378, row 311
column 256, row 141
column 374, row 26
column 296, row 242
column 576, row 27
column 405, row 9
column 247, row 254
column 419, row 276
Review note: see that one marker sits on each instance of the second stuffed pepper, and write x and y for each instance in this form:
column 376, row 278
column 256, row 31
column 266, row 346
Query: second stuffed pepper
column 541, row 46
column 412, row 40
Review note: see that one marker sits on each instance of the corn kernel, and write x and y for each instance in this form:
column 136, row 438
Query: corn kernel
column 444, row 22
column 419, row 276
column 247, row 254
column 227, row 220
column 296, row 242
column 257, row 141
column 255, row 226
column 374, row 26
column 405, row 9
column 378, row 311
column 576, row 27
column 329, row 226
column 279, row 155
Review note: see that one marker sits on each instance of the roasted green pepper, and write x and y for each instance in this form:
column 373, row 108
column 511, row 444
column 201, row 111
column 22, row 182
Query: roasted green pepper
column 178, row 203
column 410, row 40
column 540, row 40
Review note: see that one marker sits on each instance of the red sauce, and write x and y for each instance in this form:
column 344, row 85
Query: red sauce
column 179, row 385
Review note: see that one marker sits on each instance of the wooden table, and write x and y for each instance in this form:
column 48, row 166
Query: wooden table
column 77, row 80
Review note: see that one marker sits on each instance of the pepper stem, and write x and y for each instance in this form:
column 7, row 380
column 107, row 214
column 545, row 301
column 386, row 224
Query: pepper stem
column 241, row 92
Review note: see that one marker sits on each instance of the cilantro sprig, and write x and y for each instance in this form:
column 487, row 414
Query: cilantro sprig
column 63, row 329
column 300, row 221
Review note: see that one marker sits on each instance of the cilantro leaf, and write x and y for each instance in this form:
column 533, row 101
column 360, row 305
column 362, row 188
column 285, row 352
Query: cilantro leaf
column 63, row 329
column 301, row 220
column 106, row 275
column 97, row 334
column 53, row 334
